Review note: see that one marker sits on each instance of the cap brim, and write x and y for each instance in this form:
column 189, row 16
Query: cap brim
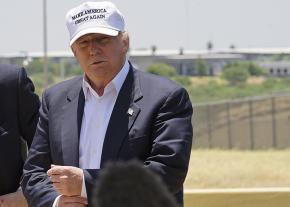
column 98, row 30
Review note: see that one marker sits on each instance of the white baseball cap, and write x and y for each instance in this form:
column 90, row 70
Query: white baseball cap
column 94, row 17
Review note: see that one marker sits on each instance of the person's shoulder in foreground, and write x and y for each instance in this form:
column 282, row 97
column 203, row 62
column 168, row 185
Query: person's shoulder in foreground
column 20, row 104
column 18, row 118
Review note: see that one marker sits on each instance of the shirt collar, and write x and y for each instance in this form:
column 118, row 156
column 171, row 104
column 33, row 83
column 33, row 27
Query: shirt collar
column 116, row 83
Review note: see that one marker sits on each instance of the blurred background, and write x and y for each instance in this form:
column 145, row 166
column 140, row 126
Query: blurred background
column 233, row 57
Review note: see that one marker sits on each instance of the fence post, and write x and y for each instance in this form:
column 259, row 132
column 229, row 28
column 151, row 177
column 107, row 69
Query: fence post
column 274, row 141
column 251, row 122
column 229, row 126
column 209, row 126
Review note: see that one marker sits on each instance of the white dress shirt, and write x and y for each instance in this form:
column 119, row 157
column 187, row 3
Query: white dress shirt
column 96, row 116
column 97, row 113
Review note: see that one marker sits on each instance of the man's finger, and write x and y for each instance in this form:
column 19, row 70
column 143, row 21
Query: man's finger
column 59, row 179
column 56, row 170
column 51, row 172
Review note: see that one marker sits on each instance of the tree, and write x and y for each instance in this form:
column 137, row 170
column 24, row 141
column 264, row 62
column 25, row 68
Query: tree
column 162, row 69
column 168, row 71
column 255, row 70
column 35, row 66
column 236, row 74
column 201, row 67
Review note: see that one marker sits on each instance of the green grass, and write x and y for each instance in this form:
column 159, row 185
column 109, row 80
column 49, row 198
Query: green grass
column 238, row 169
column 215, row 90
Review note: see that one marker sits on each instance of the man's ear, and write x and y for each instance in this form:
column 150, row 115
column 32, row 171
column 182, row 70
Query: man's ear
column 126, row 42
column 73, row 50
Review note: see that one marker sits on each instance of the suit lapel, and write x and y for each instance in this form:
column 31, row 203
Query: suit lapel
column 123, row 116
column 71, row 125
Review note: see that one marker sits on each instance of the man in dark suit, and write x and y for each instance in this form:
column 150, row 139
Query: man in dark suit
column 112, row 112
column 18, row 118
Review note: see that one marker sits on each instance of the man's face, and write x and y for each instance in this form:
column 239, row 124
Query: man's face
column 101, row 56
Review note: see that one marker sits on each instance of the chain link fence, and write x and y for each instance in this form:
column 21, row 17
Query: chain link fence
column 253, row 123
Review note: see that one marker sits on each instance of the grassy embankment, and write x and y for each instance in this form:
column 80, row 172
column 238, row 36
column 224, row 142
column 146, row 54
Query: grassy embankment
column 207, row 89
column 238, row 169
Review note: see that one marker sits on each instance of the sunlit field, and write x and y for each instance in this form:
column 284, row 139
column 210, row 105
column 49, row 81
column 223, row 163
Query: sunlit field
column 238, row 169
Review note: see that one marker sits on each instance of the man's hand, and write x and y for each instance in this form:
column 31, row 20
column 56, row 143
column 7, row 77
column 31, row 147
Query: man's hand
column 13, row 199
column 74, row 201
column 66, row 180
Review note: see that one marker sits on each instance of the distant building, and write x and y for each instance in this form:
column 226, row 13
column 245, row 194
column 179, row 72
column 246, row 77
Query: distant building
column 183, row 60
column 276, row 68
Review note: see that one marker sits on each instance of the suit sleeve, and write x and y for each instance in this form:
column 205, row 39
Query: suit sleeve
column 35, row 183
column 28, row 105
column 172, row 140
column 90, row 178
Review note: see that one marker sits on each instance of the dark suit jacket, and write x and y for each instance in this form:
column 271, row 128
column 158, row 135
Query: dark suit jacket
column 18, row 118
column 158, row 133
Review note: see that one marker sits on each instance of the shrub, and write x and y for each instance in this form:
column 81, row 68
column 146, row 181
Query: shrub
column 162, row 69
column 201, row 67
column 235, row 74
column 255, row 70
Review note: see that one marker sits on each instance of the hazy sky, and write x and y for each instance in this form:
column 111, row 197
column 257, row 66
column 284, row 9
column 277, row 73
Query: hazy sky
column 168, row 24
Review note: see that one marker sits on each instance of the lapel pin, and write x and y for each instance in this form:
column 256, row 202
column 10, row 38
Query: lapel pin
column 130, row 112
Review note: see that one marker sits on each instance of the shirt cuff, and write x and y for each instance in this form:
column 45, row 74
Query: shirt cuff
column 84, row 190
column 55, row 203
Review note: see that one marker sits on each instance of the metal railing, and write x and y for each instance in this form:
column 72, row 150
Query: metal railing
column 251, row 123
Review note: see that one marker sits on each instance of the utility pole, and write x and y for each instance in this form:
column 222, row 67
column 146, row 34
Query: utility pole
column 45, row 61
